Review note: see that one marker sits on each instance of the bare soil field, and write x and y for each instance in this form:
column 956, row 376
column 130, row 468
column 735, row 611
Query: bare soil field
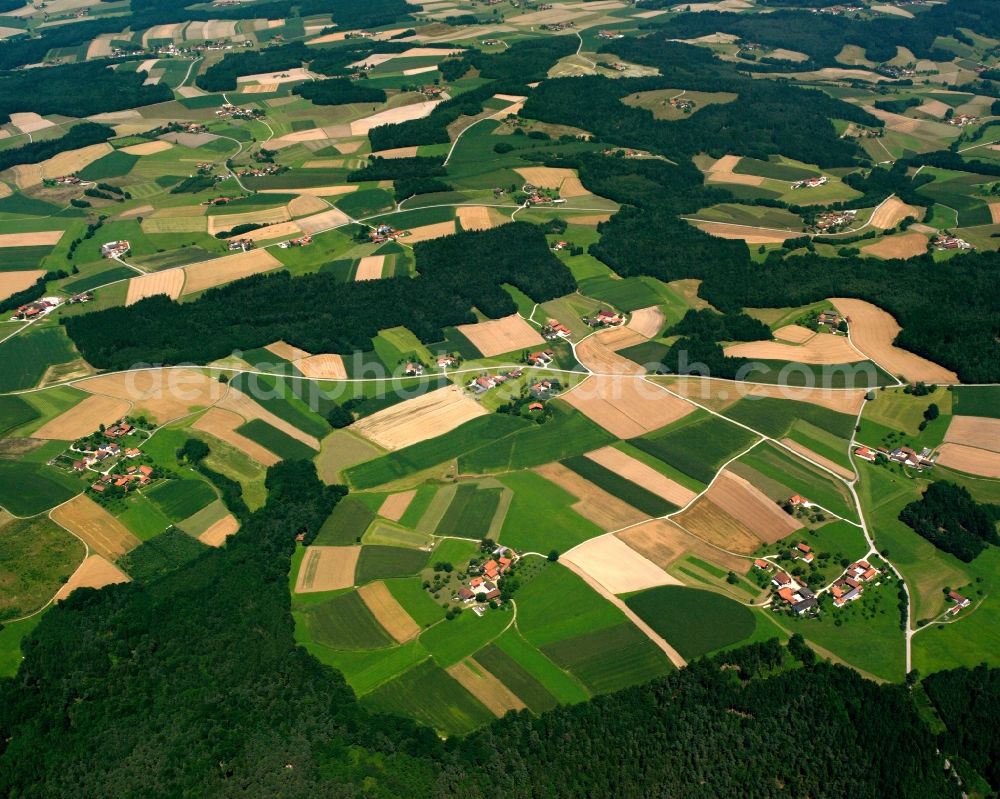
column 84, row 418
column 325, row 366
column 742, row 500
column 94, row 572
column 101, row 531
column 370, row 267
column 13, row 282
column 822, row 348
column 616, row 566
column 240, row 403
column 708, row 521
column 626, row 406
column 259, row 88
column 216, row 535
column 226, row 269
column 974, row 431
column 395, row 505
column 476, row 217
column 639, row 473
column 816, row 458
column 29, row 121
column 596, row 353
column 147, row 148
column 494, row 695
column 40, row 238
column 388, row 612
column 751, row 235
column 169, row 282
column 348, row 147
column 327, row 569
column 269, row 216
column 434, row 231
column 873, row 332
column 286, row 351
column 907, row 245
column 306, row 204
column 647, row 322
column 325, row 220
column 414, row 420
column 160, row 394
column 971, row 460
column 794, row 334
column 602, row 508
column 663, row 542
column 934, row 108
column 498, row 336
column 392, row 116
column 223, row 424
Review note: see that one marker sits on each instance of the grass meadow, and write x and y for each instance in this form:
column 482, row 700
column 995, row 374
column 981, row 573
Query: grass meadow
column 377, row 562
column 179, row 499
column 344, row 622
column 346, row 524
column 36, row 558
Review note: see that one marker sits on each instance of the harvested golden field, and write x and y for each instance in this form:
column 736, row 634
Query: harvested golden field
column 327, row 569
column 160, row 394
column 283, row 76
column 348, row 147
column 94, row 572
column 281, row 230
column 751, row 235
column 742, row 500
column 818, row 459
column 626, row 406
column 664, row 543
column 821, row 348
column 98, row 529
column 642, row 475
column 594, row 503
column 317, row 191
column 217, row 223
column 498, row 336
column 725, row 164
column 13, row 282
column 226, row 269
column 223, row 424
column 238, row 402
column 66, row 163
column 794, row 334
column 29, row 121
column 934, row 108
column 426, row 232
column 549, row 177
column 616, row 566
column 974, row 431
column 169, row 282
column 995, row 213
column 388, row 612
column 427, row 416
column 907, row 245
column 393, row 116
column 963, row 458
column 734, row 177
column 618, row 338
column 40, row 238
column 493, row 694
column 84, row 418
column 712, row 524
column 216, row 535
column 325, row 220
column 395, row 505
column 596, row 353
column 370, row 267
column 325, row 366
column 647, row 322
column 286, row 351
column 479, row 217
column 590, row 220
column 396, row 152
column 873, row 332
column 147, row 148
column 259, row 88
column 305, row 204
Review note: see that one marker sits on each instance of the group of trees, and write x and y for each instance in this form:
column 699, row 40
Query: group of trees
column 82, row 135
column 456, row 273
column 338, row 91
column 952, row 520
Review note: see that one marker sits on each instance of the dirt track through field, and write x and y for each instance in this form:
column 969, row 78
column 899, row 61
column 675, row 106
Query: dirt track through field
column 744, row 501
column 216, row 535
column 395, row 505
column 708, row 521
column 223, row 424
column 13, row 282
column 496, row 696
column 971, row 460
column 94, row 572
column 163, row 394
column 388, row 612
column 83, row 418
column 647, row 322
column 616, row 566
column 327, row 569
column 498, row 336
column 594, row 503
column 639, row 473
column 873, row 331
column 103, row 533
column 226, row 269
column 974, row 431
column 427, row 416
column 823, row 348
column 815, row 457
column 169, row 282
column 626, row 406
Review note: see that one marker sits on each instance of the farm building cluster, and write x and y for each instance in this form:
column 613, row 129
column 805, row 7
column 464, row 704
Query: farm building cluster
column 115, row 249
column 485, row 382
column 303, row 241
column 958, row 602
column 241, row 245
column 791, row 593
column 851, row 584
column 553, row 329
column 834, row 220
column 382, row 233
column 811, row 183
column 484, row 586
column 945, row 242
column 962, row 120
column 36, row 309
column 905, row 455
column 230, row 111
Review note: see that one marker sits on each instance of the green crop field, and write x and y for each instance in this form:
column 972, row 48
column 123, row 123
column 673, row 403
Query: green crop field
column 557, row 681
column 277, row 441
column 344, row 622
column 471, row 512
column 346, row 524
column 776, row 417
column 627, row 491
column 15, row 259
column 410, row 593
column 541, row 518
column 112, row 165
column 611, row 658
column 286, row 399
column 29, row 488
column 98, row 279
column 377, row 562
column 512, row 674
column 179, row 499
column 698, row 445
column 365, row 202
column 143, row 517
column 451, row 641
column 775, row 168
column 693, row 621
column 36, row 558
column 27, row 356
column 197, row 523
column 557, row 604
column 629, row 293
column 15, row 412
column 977, row 401
column 366, row 670
column 428, row 694
column 161, row 555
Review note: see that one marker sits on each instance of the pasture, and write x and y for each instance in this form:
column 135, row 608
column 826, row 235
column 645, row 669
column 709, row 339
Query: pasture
column 415, row 600
column 378, row 562
column 36, row 557
column 29, row 488
column 15, row 412
column 564, row 528
column 346, row 524
column 693, row 621
column 27, row 356
column 977, row 401
column 470, row 513
column 344, row 622
column 179, row 499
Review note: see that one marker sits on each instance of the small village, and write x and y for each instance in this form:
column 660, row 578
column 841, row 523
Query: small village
column 834, row 221
column 37, row 309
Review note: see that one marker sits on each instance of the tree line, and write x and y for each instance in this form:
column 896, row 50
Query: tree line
column 82, row 135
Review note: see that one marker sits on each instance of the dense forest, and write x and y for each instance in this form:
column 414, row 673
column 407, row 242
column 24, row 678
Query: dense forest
column 455, row 273
column 952, row 520
column 191, row 683
column 338, row 91
column 82, row 135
